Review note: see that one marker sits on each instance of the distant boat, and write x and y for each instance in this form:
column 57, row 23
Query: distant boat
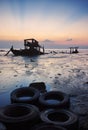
column 31, row 48
column 74, row 50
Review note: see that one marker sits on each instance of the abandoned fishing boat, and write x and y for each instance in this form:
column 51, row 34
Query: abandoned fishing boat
column 31, row 48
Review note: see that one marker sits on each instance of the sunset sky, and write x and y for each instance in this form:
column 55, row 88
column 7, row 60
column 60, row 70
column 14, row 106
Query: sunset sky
column 55, row 22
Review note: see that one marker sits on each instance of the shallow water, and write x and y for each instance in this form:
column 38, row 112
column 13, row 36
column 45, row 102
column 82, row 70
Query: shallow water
column 23, row 98
column 53, row 101
column 64, row 72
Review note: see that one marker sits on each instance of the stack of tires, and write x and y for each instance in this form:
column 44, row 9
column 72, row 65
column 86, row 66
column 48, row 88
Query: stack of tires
column 22, row 113
column 55, row 110
column 34, row 109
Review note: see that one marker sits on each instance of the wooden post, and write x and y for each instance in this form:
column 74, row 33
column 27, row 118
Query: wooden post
column 70, row 50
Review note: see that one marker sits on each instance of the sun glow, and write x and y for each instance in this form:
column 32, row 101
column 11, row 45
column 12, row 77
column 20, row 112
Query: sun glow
column 45, row 22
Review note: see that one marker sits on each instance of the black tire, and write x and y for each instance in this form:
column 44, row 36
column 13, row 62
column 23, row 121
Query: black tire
column 45, row 126
column 62, row 118
column 39, row 85
column 17, row 116
column 31, row 94
column 61, row 100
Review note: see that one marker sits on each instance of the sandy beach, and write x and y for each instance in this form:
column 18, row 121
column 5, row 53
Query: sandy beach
column 59, row 71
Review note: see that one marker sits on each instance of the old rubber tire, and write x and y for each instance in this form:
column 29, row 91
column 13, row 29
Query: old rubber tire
column 61, row 100
column 45, row 126
column 17, row 116
column 39, row 85
column 31, row 94
column 62, row 118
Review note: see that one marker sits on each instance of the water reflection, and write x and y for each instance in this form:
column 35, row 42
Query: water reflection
column 4, row 99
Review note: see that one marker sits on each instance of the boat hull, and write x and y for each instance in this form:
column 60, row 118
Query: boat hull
column 26, row 52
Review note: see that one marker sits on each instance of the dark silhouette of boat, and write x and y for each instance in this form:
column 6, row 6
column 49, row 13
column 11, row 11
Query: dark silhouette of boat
column 31, row 48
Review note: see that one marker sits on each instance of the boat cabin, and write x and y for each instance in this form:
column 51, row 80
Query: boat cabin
column 32, row 44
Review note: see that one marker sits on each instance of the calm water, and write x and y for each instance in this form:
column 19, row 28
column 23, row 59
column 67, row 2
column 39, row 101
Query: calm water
column 52, row 101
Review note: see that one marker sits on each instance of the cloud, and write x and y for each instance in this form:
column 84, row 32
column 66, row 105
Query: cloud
column 48, row 41
column 69, row 39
